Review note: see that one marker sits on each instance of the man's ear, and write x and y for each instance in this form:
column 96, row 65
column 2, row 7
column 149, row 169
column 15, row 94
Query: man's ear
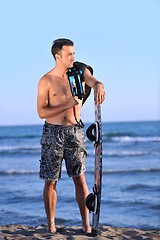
column 57, row 56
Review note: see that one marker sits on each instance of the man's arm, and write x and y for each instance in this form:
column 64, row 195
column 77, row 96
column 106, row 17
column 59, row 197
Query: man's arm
column 99, row 93
column 46, row 111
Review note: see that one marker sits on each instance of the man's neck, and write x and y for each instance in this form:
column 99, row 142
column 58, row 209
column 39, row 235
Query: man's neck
column 60, row 71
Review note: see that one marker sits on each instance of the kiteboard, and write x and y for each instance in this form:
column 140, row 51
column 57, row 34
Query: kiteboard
column 94, row 133
column 93, row 200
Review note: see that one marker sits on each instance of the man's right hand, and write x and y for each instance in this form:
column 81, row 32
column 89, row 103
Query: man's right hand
column 72, row 101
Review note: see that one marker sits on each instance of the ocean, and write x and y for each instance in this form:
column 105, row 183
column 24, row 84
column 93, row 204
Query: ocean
column 130, row 181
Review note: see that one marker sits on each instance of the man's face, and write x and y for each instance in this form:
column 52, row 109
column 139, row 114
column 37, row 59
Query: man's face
column 67, row 56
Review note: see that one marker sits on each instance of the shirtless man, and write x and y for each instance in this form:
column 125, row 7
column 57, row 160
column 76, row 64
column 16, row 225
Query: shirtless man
column 62, row 137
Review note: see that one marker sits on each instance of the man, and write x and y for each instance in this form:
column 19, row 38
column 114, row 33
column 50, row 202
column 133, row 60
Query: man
column 62, row 137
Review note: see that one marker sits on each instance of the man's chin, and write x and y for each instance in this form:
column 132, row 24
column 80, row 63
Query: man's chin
column 70, row 65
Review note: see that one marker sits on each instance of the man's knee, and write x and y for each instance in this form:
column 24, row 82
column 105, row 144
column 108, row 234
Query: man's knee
column 50, row 184
column 79, row 180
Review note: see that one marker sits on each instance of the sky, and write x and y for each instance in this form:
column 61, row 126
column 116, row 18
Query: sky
column 120, row 39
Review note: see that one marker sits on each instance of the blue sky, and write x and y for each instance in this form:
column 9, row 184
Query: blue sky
column 119, row 39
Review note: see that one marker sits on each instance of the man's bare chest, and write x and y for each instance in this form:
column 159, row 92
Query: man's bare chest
column 59, row 91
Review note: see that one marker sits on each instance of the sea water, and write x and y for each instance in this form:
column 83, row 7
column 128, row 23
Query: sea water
column 130, row 181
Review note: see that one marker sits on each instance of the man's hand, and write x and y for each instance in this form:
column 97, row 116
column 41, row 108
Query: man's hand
column 72, row 101
column 99, row 93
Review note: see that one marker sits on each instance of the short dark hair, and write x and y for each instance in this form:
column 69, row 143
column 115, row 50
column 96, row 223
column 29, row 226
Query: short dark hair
column 58, row 45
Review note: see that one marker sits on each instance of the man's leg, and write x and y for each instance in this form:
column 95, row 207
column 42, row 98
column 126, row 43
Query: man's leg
column 50, row 200
column 81, row 194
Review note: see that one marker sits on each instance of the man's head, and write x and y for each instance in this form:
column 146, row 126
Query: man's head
column 58, row 45
column 63, row 52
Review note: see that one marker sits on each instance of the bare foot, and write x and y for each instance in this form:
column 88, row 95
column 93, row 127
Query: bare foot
column 52, row 228
column 86, row 229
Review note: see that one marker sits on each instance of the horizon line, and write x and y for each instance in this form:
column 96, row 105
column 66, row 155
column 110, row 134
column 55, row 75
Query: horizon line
column 120, row 121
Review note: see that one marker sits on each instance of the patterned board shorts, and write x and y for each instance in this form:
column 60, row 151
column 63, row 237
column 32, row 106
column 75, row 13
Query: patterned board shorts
column 60, row 142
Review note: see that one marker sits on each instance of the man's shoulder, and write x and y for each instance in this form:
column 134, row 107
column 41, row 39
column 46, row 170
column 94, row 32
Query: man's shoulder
column 46, row 78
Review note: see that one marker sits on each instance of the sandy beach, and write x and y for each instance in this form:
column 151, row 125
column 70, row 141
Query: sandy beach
column 75, row 233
